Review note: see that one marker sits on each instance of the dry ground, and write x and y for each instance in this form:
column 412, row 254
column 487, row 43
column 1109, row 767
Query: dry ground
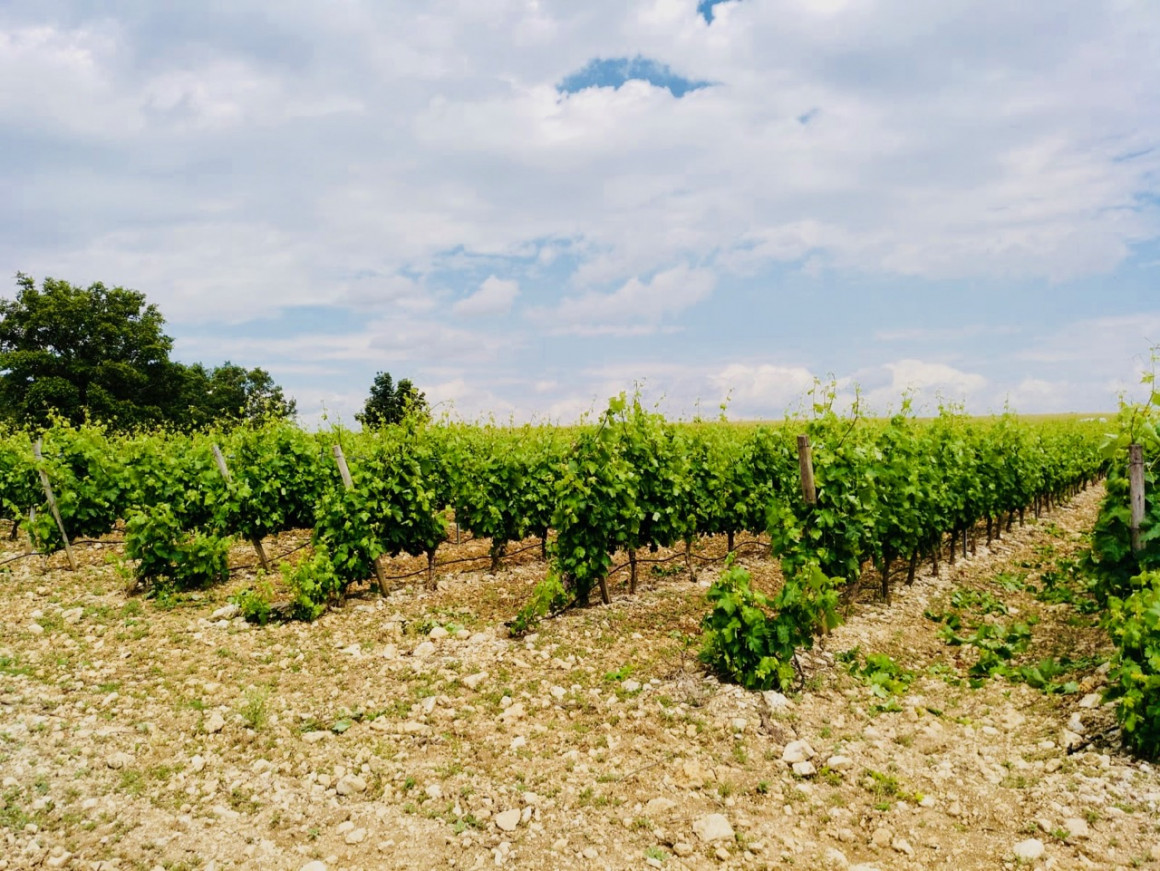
column 132, row 736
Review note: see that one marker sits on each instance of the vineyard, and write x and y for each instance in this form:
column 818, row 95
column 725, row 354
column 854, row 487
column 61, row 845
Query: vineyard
column 326, row 638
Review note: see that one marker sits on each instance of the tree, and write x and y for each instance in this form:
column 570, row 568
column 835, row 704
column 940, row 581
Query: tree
column 390, row 403
column 100, row 353
column 233, row 394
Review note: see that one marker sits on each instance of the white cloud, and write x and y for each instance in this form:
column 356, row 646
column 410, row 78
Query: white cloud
column 636, row 307
column 763, row 390
column 494, row 297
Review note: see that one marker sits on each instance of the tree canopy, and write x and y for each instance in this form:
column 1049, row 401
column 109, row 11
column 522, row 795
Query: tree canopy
column 100, row 353
column 390, row 403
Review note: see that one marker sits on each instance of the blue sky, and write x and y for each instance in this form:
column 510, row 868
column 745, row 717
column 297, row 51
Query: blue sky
column 526, row 206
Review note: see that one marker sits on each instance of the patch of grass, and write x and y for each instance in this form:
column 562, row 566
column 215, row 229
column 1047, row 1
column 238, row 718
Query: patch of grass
column 253, row 709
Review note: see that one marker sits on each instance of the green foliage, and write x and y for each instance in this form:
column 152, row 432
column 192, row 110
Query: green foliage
column 751, row 638
column 255, row 602
column 596, row 505
column 881, row 673
column 168, row 555
column 390, row 510
column 99, row 353
column 313, row 585
column 1134, row 626
column 548, row 597
column 389, row 403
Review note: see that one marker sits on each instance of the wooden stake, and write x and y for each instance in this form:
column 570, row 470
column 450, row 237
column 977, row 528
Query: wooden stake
column 349, row 485
column 254, row 540
column 806, row 465
column 48, row 494
column 1136, row 488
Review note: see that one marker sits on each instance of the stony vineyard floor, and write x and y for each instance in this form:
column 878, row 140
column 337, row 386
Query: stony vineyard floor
column 412, row 733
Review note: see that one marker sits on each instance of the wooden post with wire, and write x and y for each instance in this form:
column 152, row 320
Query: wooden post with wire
column 348, row 483
column 806, row 464
column 1136, row 488
column 255, row 541
column 52, row 506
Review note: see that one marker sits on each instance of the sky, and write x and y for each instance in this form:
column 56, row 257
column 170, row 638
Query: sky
column 528, row 206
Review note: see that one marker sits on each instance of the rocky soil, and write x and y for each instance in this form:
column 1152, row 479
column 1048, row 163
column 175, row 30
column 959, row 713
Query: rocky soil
column 411, row 732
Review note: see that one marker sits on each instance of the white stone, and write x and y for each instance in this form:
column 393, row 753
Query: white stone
column 797, row 751
column 196, row 764
column 1070, row 740
column 776, row 701
column 508, row 820
column 226, row 612
column 901, row 845
column 316, row 736
column 424, row 650
column 350, row 784
column 1077, row 828
column 837, row 763
column 1029, row 850
column 514, row 712
column 630, row 685
column 438, row 633
column 313, row 866
column 1075, row 724
column 215, row 723
column 472, row 681
column 73, row 615
column 355, row 836
column 713, row 827
column 119, row 760
column 658, row 806
column 835, row 858
column 434, row 791
column 804, row 769
column 1091, row 700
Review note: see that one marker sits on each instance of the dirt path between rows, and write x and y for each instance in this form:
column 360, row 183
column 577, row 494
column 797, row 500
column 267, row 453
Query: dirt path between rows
column 412, row 733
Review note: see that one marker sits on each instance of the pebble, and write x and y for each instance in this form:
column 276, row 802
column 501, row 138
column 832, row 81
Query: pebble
column 437, row 633
column 1029, row 850
column 313, row 866
column 355, row 836
column 804, row 769
column 837, row 763
column 658, row 806
column 424, row 650
column 349, row 784
column 315, row 737
column 1091, row 700
column 776, row 701
column 713, row 827
column 630, row 686
column 508, row 820
column 835, row 858
column 73, row 615
column 901, row 845
column 590, row 853
column 214, row 723
column 472, row 681
column 722, row 854
column 1075, row 724
column 196, row 764
column 119, row 760
column 683, row 849
column 1077, row 828
column 881, row 837
column 797, row 751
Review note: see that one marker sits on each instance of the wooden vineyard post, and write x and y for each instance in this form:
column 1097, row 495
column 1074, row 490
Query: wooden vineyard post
column 48, row 494
column 1136, row 487
column 806, row 465
column 255, row 541
column 344, row 470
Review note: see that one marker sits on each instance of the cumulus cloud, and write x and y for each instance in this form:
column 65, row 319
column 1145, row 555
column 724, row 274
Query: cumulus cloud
column 637, row 306
column 494, row 297
column 235, row 164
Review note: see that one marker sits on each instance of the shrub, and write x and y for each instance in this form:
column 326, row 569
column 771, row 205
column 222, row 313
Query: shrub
column 1134, row 626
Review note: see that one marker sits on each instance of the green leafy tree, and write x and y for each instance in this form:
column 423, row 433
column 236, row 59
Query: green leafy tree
column 231, row 394
column 77, row 352
column 99, row 353
column 390, row 403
